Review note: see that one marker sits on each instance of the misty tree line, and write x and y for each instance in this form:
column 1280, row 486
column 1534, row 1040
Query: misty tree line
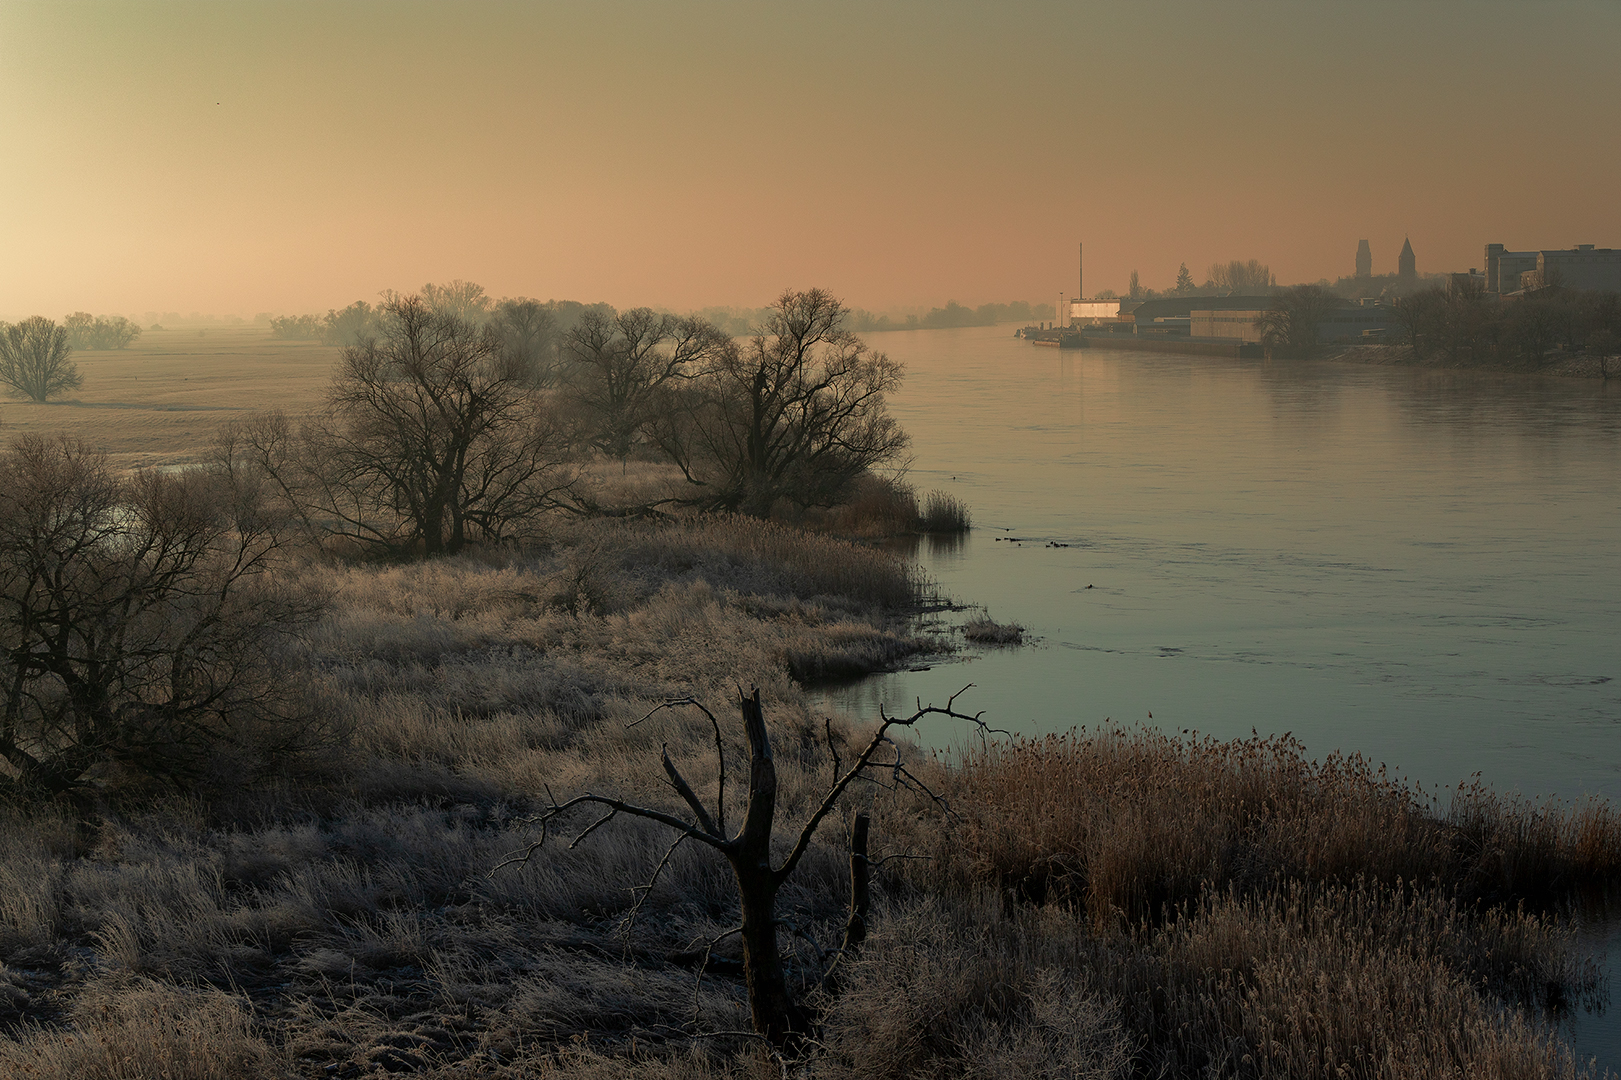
column 348, row 325
column 454, row 419
column 1238, row 277
column 1464, row 324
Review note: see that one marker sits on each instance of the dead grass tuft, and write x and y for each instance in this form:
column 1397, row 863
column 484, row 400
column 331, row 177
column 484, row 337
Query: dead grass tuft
column 142, row 1031
column 985, row 631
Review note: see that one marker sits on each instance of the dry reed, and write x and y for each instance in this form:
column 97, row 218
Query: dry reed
column 944, row 513
column 986, row 631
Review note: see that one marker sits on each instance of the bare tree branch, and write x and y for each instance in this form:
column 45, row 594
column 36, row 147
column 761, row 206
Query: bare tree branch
column 684, row 789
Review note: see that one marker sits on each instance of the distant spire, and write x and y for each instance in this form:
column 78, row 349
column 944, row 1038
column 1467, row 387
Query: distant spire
column 1364, row 259
column 1406, row 264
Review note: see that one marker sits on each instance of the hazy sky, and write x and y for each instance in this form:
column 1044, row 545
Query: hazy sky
column 261, row 156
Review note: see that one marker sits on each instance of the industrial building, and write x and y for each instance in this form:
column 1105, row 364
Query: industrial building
column 1091, row 312
column 1581, row 267
column 1353, row 322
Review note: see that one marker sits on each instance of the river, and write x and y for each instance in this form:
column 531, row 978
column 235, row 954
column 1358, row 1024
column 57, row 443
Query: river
column 1419, row 566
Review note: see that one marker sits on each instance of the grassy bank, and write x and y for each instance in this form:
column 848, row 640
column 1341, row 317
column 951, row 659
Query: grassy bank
column 1112, row 903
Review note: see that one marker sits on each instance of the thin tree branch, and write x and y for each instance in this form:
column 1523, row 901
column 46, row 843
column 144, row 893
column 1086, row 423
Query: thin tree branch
column 645, row 891
column 684, row 789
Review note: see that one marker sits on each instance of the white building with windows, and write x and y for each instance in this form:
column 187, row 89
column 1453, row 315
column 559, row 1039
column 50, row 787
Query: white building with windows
column 1091, row 312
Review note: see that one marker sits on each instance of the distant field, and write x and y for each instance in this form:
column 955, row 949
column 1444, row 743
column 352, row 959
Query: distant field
column 160, row 401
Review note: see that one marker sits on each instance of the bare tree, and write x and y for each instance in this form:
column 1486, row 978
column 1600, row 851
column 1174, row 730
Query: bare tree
column 529, row 337
column 36, row 359
column 351, row 326
column 139, row 623
column 1239, row 278
column 464, row 300
column 432, row 436
column 1294, row 319
column 1422, row 316
column 624, row 361
column 1534, row 326
column 87, row 331
column 796, row 414
column 748, row 850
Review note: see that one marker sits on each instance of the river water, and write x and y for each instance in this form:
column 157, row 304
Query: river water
column 1423, row 567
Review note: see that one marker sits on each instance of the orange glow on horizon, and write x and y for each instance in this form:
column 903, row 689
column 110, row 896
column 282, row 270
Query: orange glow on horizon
column 291, row 156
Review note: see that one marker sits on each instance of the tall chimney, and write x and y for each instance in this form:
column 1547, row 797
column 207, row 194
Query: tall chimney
column 1080, row 271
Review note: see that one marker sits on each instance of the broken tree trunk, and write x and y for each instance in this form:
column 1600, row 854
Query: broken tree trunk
column 775, row 1014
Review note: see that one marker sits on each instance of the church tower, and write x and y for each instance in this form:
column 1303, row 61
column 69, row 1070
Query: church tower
column 1364, row 259
column 1406, row 265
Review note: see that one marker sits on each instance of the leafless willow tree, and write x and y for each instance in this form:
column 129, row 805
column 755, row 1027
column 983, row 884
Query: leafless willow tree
column 36, row 359
column 748, row 850
column 622, row 364
column 139, row 622
column 796, row 414
column 432, row 435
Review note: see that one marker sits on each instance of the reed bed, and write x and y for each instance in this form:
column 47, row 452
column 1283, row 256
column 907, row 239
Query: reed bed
column 944, row 513
column 880, row 507
column 768, row 558
column 1126, row 823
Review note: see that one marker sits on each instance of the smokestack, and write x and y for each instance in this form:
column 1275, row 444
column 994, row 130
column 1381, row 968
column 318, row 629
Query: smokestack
column 1080, row 271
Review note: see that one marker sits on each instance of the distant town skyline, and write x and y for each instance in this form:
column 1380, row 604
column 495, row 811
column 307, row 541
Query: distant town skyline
column 281, row 155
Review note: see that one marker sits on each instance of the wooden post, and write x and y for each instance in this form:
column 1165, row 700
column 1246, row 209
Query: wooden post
column 855, row 928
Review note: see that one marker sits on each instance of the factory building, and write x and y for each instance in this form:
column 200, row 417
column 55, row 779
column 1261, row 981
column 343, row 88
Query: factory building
column 1581, row 267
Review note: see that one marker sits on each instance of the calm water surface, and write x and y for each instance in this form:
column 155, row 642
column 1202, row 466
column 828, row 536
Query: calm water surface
column 1421, row 567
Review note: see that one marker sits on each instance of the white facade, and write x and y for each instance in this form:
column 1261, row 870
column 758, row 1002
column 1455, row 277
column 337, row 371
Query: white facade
column 1090, row 311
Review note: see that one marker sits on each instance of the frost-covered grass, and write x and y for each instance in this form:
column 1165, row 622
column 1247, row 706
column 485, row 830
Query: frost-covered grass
column 1110, row 904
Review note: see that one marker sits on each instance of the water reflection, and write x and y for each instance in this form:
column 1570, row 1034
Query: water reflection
column 934, row 546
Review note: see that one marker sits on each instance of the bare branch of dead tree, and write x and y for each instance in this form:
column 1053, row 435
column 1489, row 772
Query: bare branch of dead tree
column 777, row 1016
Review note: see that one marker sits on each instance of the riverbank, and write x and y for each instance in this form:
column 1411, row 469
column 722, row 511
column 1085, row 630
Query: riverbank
column 1058, row 906
column 1563, row 365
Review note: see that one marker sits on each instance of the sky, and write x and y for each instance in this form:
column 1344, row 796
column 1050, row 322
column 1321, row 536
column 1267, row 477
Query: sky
column 258, row 156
